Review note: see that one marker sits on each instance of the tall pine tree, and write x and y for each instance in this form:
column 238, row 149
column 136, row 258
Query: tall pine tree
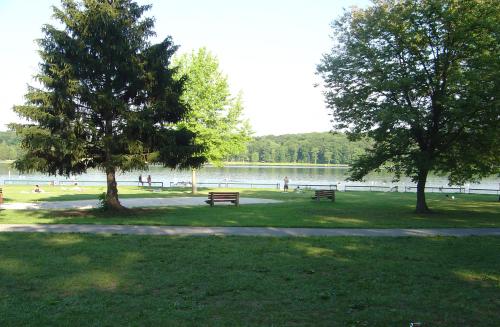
column 107, row 99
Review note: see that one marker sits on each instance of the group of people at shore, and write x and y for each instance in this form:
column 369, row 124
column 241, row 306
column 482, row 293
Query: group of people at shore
column 148, row 180
column 286, row 181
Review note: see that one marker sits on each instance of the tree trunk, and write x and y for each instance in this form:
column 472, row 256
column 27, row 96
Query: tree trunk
column 421, row 203
column 193, row 181
column 112, row 201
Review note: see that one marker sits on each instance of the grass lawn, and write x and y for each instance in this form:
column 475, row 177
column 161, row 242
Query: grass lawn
column 105, row 280
column 23, row 193
column 351, row 209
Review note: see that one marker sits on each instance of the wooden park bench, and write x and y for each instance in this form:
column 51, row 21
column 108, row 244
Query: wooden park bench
column 329, row 194
column 233, row 197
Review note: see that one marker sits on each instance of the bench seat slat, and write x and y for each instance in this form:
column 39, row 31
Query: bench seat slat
column 329, row 194
column 233, row 197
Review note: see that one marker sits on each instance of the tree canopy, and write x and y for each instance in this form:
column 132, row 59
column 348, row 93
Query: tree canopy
column 420, row 78
column 107, row 99
column 215, row 117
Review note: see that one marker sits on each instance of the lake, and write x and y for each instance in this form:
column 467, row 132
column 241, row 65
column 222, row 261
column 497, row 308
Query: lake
column 242, row 174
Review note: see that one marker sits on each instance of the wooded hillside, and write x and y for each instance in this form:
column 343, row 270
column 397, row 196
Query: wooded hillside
column 9, row 145
column 318, row 148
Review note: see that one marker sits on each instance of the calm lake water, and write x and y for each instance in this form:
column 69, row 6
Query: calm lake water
column 243, row 174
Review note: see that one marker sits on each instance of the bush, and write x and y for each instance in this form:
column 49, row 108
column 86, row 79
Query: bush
column 103, row 204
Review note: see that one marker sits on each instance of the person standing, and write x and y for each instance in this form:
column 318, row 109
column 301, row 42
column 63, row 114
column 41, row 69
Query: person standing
column 285, row 184
column 140, row 180
column 149, row 180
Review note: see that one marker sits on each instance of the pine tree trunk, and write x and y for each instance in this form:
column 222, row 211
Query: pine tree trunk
column 112, row 201
column 421, row 203
column 193, row 182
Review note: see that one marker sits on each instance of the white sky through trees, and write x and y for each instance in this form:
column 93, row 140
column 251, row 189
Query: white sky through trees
column 268, row 48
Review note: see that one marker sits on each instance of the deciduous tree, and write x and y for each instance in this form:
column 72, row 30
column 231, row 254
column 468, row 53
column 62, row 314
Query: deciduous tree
column 422, row 79
column 215, row 117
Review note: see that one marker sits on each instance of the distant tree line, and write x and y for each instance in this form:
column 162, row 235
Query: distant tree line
column 9, row 146
column 320, row 148
column 316, row 148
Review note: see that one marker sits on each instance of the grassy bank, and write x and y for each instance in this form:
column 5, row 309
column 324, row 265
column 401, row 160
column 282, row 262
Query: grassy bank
column 351, row 209
column 75, row 280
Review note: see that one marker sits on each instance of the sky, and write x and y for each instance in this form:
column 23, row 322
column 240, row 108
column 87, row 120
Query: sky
column 268, row 49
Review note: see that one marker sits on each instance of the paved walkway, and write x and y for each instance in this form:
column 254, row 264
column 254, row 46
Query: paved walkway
column 243, row 231
column 129, row 203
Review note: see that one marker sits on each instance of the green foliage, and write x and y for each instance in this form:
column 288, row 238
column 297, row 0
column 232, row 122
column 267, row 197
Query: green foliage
column 321, row 148
column 421, row 78
column 9, row 146
column 103, row 204
column 214, row 116
column 9, row 138
column 107, row 98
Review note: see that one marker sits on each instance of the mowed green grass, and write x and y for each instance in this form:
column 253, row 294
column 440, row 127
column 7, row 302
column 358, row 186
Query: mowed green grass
column 350, row 210
column 105, row 280
column 24, row 193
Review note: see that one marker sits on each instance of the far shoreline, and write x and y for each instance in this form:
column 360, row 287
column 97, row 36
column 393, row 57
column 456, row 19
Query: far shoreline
column 257, row 164
column 280, row 164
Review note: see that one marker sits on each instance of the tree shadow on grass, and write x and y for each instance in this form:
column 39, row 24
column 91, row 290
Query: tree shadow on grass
column 69, row 279
column 76, row 193
column 350, row 210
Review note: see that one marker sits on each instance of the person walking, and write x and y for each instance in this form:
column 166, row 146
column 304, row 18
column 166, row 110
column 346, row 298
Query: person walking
column 140, row 180
column 285, row 184
column 149, row 180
